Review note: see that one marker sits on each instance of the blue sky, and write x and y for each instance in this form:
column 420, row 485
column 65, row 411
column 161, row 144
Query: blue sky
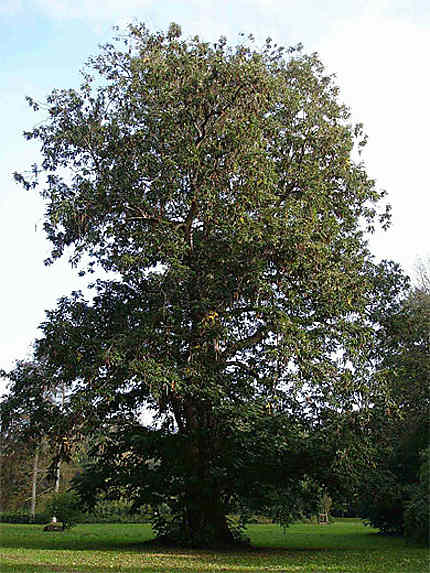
column 379, row 50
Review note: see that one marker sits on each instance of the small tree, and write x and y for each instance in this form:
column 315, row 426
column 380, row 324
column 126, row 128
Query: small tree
column 326, row 503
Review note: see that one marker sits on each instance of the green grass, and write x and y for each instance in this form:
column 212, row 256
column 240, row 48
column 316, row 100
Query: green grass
column 345, row 547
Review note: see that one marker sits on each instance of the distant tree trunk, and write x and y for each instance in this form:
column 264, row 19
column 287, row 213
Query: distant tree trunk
column 56, row 487
column 57, row 478
column 34, row 484
column 57, row 469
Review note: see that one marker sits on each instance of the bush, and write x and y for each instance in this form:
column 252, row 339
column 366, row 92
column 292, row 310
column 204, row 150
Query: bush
column 66, row 508
column 382, row 503
column 116, row 511
column 260, row 519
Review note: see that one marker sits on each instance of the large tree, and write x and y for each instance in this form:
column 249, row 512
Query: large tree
column 219, row 185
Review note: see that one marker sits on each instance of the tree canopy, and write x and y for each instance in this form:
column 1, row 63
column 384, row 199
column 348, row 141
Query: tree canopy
column 219, row 184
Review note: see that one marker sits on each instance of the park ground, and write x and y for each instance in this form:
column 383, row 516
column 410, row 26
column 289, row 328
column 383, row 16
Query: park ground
column 341, row 547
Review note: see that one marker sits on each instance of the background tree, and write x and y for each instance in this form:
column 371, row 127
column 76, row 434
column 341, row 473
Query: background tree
column 217, row 184
column 36, row 431
column 401, row 428
column 22, row 467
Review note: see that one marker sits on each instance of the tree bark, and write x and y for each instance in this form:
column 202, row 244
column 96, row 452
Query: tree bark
column 205, row 518
column 206, row 521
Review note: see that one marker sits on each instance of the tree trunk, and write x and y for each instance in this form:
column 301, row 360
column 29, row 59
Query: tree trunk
column 206, row 521
column 34, row 484
column 200, row 510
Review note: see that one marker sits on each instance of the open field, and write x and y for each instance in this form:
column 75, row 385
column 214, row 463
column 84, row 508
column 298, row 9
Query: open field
column 346, row 547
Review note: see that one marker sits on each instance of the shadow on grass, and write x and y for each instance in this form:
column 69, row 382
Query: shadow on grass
column 66, row 544
column 139, row 539
column 148, row 546
column 79, row 539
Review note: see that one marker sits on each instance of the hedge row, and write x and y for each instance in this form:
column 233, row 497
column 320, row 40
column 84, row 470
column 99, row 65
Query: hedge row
column 39, row 518
column 42, row 518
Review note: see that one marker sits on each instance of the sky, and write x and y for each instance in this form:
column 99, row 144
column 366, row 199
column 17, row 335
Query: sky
column 378, row 49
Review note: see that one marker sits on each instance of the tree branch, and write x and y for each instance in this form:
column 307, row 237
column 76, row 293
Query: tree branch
column 245, row 342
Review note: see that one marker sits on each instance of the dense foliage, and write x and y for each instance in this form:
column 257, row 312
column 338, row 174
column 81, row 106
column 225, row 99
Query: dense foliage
column 395, row 495
column 417, row 515
column 218, row 184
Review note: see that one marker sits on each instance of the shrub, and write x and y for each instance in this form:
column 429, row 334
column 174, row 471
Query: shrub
column 39, row 518
column 117, row 511
column 382, row 503
column 260, row 519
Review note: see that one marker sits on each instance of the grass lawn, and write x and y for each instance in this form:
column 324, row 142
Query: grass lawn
column 343, row 547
